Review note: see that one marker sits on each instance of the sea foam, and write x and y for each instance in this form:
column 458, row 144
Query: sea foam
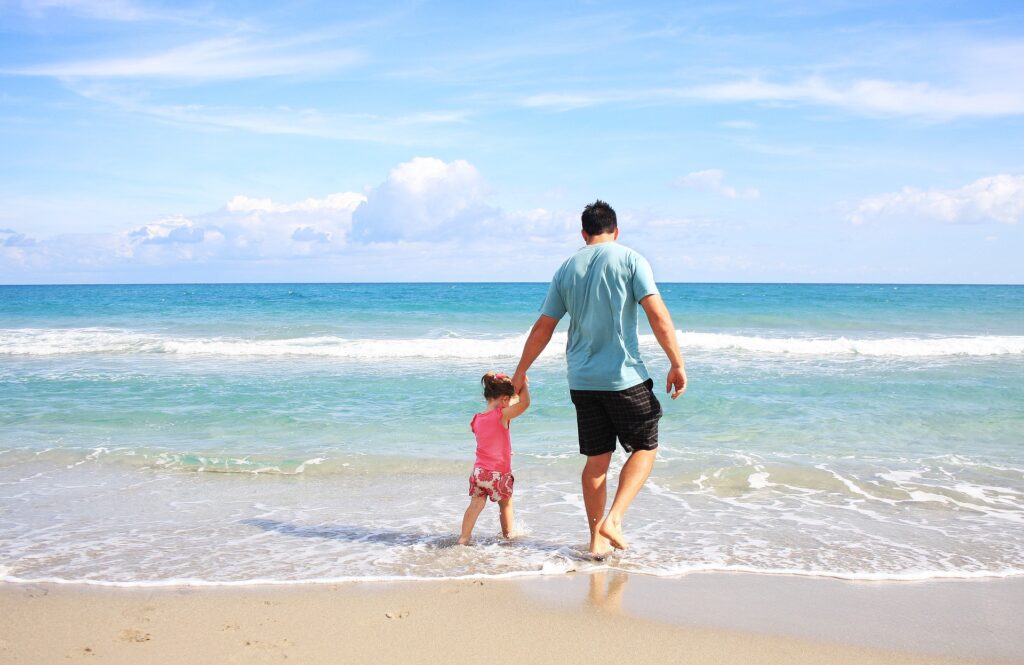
column 113, row 341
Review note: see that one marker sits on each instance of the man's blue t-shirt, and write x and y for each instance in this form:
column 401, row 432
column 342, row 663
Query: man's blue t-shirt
column 600, row 286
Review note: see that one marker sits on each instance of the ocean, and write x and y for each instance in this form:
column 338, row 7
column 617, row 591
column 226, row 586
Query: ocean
column 283, row 433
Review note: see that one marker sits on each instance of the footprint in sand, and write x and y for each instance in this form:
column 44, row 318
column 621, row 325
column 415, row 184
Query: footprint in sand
column 37, row 592
column 397, row 615
column 263, row 651
column 141, row 614
column 132, row 635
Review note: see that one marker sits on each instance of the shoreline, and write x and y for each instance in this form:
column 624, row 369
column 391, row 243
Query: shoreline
column 601, row 616
column 523, row 575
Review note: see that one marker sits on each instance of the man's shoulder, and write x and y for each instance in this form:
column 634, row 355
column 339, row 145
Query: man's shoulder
column 625, row 256
column 618, row 255
column 629, row 251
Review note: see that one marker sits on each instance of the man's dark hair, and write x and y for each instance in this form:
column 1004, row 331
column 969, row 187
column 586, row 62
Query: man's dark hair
column 598, row 218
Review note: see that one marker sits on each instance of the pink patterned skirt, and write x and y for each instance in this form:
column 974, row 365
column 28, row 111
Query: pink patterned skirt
column 493, row 484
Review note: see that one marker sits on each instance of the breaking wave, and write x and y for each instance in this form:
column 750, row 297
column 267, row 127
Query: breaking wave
column 113, row 341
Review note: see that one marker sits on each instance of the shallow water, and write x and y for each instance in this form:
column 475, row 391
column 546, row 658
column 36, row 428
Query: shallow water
column 236, row 433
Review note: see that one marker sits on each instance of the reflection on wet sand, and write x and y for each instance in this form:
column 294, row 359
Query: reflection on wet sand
column 606, row 591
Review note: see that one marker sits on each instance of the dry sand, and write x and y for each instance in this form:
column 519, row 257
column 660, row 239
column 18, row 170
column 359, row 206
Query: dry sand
column 598, row 618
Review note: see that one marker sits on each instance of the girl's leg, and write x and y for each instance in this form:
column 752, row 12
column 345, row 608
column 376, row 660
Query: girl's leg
column 505, row 506
column 476, row 504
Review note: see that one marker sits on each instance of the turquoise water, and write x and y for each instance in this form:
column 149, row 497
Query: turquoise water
column 239, row 433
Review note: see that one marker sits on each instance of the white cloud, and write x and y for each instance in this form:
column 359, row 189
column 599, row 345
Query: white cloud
column 260, row 227
column 565, row 101
column 112, row 10
column 227, row 58
column 738, row 124
column 429, row 219
column 169, row 231
column 998, row 198
column 420, row 128
column 424, row 198
column 710, row 180
column 347, row 201
column 870, row 97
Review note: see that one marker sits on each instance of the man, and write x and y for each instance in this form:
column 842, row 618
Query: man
column 600, row 286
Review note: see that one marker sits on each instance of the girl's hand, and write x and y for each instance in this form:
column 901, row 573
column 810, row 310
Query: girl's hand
column 519, row 381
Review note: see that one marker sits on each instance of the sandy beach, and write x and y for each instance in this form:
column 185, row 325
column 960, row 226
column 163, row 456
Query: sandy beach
column 601, row 617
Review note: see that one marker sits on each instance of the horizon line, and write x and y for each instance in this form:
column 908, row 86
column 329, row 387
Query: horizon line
column 435, row 282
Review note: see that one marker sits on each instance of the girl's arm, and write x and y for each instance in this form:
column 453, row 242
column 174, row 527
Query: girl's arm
column 517, row 409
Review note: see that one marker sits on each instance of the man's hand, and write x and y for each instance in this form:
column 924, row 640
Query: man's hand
column 665, row 332
column 538, row 338
column 519, row 380
column 676, row 383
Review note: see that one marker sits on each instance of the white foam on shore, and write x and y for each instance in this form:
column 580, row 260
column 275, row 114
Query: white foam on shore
column 545, row 570
column 113, row 341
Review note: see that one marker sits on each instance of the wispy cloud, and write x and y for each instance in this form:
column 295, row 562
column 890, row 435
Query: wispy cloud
column 864, row 97
column 998, row 198
column 871, row 97
column 712, row 180
column 109, row 10
column 340, row 201
column 399, row 129
column 228, row 58
column 745, row 125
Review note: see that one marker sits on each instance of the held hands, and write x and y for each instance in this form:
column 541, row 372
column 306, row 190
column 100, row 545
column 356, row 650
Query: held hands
column 676, row 383
column 519, row 381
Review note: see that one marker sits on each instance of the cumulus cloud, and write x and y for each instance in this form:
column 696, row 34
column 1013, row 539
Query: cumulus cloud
column 427, row 217
column 255, row 227
column 169, row 231
column 424, row 198
column 711, row 180
column 998, row 198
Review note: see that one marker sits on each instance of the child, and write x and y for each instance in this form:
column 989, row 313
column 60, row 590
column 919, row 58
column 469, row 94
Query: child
column 492, row 473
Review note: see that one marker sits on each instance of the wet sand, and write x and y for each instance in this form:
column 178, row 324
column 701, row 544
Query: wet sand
column 596, row 618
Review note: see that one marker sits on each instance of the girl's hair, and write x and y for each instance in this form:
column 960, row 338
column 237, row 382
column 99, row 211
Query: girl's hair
column 497, row 385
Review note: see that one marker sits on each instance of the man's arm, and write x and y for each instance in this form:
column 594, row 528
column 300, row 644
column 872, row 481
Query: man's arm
column 538, row 339
column 665, row 332
column 515, row 410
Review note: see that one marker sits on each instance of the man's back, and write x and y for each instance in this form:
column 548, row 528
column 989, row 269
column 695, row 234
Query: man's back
column 599, row 286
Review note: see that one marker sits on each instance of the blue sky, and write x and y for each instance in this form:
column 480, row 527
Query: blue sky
column 763, row 141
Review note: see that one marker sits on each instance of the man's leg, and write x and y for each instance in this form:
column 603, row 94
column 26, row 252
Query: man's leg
column 632, row 477
column 595, row 495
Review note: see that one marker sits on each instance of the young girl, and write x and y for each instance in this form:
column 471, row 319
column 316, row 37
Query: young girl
column 492, row 473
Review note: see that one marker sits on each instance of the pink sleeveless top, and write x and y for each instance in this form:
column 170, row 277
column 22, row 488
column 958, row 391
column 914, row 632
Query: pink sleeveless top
column 493, row 442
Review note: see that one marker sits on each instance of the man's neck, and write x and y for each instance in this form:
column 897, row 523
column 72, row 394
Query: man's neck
column 601, row 238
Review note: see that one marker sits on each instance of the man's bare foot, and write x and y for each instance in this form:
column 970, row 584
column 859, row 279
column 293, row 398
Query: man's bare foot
column 462, row 541
column 613, row 532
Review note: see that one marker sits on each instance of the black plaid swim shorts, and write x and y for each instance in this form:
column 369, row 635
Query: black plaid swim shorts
column 631, row 415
